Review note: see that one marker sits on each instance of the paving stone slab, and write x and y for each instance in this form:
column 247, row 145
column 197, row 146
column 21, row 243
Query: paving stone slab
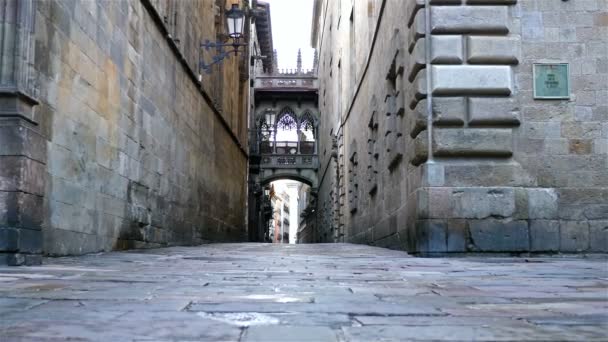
column 327, row 292
column 290, row 333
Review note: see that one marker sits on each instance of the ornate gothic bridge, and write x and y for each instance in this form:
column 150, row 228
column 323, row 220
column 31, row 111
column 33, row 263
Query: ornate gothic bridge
column 283, row 137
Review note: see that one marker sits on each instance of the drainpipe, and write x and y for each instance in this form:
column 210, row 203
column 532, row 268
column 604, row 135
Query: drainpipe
column 429, row 80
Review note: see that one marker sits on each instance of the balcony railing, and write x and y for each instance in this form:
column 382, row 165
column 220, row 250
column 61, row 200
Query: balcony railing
column 287, row 81
column 287, row 147
column 289, row 161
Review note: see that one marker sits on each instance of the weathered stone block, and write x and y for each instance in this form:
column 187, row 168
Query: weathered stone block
column 21, row 210
column 544, row 235
column 449, row 110
column 487, row 174
column 542, row 204
column 598, row 236
column 431, row 236
column 447, row 50
column 30, row 241
column 20, row 259
column 580, row 146
column 63, row 242
column 469, row 19
column 542, row 130
column 9, row 239
column 491, row 235
column 21, row 140
column 21, row 174
column 457, row 235
column 434, row 202
column 471, row 80
column 521, row 204
column 583, row 203
column 574, row 236
column 435, row 174
column 580, row 130
column 493, row 111
column 532, row 26
column 419, row 149
column 493, row 50
column 472, row 142
column 479, row 203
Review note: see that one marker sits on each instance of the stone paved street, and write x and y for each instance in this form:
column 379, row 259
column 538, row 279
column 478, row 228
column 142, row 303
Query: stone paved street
column 329, row 292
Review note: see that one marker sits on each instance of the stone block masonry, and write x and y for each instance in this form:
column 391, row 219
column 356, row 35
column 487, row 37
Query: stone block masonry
column 125, row 148
column 22, row 145
column 507, row 173
column 531, row 212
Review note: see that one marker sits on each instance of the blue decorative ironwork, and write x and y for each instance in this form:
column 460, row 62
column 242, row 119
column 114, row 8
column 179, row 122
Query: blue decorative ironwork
column 287, row 123
column 307, row 121
column 221, row 53
column 287, row 120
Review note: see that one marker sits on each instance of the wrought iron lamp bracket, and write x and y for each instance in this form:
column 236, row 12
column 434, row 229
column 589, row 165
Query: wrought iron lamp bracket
column 233, row 16
column 221, row 53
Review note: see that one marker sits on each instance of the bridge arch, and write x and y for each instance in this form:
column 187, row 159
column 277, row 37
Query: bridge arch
column 307, row 177
column 283, row 140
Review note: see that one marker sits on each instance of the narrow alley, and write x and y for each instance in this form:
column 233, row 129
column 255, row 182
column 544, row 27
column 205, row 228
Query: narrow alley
column 321, row 292
column 303, row 170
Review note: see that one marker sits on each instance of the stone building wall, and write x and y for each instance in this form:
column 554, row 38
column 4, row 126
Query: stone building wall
column 134, row 152
column 22, row 145
column 507, row 173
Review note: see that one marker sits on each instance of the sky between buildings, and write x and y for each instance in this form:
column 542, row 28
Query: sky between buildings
column 291, row 25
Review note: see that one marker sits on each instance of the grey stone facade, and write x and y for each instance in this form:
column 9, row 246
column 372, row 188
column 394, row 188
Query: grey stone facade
column 125, row 147
column 22, row 145
column 504, row 172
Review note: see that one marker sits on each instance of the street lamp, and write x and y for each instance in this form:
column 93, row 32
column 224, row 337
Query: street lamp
column 235, row 18
column 235, row 23
column 268, row 132
column 270, row 116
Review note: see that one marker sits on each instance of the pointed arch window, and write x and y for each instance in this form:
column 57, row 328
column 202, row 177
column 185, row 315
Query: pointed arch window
column 307, row 131
column 307, row 122
column 286, row 132
column 287, row 120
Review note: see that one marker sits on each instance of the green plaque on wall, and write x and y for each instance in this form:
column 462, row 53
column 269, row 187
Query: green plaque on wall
column 551, row 81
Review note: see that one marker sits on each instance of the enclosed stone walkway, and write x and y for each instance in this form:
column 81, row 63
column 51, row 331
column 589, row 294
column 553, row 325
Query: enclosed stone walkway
column 329, row 292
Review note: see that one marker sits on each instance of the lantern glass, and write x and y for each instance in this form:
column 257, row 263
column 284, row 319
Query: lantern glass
column 235, row 18
column 270, row 117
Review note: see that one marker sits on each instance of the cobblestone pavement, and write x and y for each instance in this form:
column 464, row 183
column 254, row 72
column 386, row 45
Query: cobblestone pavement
column 330, row 292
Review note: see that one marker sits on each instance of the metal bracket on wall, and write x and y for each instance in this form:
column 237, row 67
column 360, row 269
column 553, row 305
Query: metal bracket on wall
column 221, row 53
